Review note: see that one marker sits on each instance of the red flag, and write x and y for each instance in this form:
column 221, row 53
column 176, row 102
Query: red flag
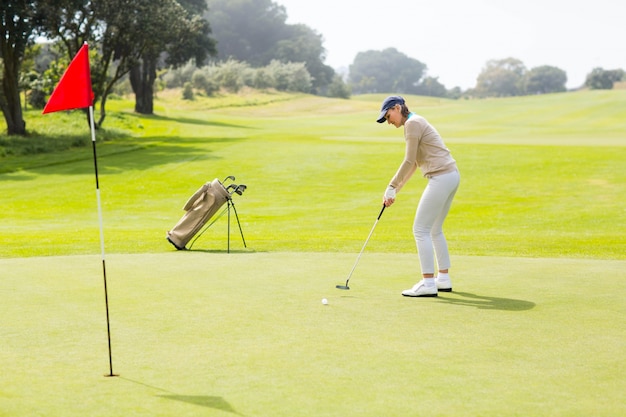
column 74, row 89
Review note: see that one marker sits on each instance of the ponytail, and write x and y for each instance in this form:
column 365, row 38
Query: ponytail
column 404, row 110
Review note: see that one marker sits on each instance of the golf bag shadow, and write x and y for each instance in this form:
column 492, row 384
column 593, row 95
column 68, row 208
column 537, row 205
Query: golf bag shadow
column 199, row 209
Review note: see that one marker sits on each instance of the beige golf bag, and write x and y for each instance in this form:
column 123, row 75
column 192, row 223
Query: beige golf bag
column 200, row 207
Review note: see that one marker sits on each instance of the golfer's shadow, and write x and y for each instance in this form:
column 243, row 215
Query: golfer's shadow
column 486, row 303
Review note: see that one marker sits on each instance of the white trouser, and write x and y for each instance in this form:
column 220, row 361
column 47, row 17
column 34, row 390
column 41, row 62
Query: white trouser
column 428, row 226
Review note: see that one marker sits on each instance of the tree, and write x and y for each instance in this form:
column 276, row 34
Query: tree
column 246, row 30
column 501, row 78
column 601, row 79
column 186, row 36
column 20, row 21
column 455, row 93
column 545, row 79
column 431, row 86
column 256, row 32
column 303, row 44
column 131, row 37
column 338, row 88
column 71, row 23
column 29, row 78
column 387, row 71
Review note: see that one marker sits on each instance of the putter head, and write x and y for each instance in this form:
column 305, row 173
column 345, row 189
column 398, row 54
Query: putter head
column 342, row 287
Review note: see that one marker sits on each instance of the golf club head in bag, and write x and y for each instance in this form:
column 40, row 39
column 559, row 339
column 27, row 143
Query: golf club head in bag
column 236, row 189
column 346, row 287
column 240, row 189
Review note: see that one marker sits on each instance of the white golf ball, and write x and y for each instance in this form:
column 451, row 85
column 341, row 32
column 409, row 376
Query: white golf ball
column 324, row 301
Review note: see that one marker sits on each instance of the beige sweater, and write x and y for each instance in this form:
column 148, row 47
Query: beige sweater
column 424, row 149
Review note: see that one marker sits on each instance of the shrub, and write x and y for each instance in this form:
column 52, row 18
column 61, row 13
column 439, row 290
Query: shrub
column 338, row 88
column 232, row 75
column 263, row 79
column 37, row 99
column 201, row 80
column 188, row 91
column 177, row 77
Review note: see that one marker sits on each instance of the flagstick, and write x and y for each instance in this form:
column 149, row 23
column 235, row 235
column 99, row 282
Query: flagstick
column 104, row 269
column 74, row 92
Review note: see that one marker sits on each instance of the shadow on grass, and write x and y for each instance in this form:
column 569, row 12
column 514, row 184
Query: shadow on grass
column 188, row 120
column 486, row 303
column 239, row 251
column 115, row 157
column 209, row 401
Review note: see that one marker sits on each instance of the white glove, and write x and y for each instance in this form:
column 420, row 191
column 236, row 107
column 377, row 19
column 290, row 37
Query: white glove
column 390, row 193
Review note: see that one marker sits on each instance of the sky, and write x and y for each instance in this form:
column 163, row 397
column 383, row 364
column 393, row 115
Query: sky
column 456, row 38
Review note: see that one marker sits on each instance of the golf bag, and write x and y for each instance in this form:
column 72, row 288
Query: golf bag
column 200, row 207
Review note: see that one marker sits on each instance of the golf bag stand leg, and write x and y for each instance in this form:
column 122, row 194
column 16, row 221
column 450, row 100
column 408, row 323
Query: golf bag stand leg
column 238, row 224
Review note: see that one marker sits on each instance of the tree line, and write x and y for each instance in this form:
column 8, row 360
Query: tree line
column 127, row 39
column 207, row 45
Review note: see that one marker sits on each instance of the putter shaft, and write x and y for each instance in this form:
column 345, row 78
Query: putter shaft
column 362, row 249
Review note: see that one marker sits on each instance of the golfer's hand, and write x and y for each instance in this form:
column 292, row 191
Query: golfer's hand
column 390, row 196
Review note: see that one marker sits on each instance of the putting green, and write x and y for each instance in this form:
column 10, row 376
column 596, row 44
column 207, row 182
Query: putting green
column 245, row 333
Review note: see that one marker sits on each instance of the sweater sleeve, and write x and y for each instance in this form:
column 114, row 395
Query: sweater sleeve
column 409, row 165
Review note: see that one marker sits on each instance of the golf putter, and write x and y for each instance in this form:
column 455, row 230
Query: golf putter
column 346, row 287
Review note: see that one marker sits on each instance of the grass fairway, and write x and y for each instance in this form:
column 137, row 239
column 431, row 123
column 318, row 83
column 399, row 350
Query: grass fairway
column 534, row 326
column 315, row 167
column 246, row 334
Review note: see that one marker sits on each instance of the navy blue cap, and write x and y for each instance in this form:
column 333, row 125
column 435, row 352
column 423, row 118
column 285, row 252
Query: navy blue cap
column 387, row 104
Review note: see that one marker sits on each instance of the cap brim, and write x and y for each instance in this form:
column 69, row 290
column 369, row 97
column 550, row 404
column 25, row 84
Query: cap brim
column 381, row 117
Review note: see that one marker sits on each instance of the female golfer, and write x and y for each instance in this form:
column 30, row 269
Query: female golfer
column 426, row 150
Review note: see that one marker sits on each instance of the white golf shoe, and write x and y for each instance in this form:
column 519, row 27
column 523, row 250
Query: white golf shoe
column 421, row 290
column 444, row 285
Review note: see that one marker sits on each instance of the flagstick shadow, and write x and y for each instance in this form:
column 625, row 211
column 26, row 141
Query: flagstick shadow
column 209, row 401
column 485, row 302
column 217, row 403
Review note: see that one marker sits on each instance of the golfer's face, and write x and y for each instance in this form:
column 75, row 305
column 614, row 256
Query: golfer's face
column 393, row 116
